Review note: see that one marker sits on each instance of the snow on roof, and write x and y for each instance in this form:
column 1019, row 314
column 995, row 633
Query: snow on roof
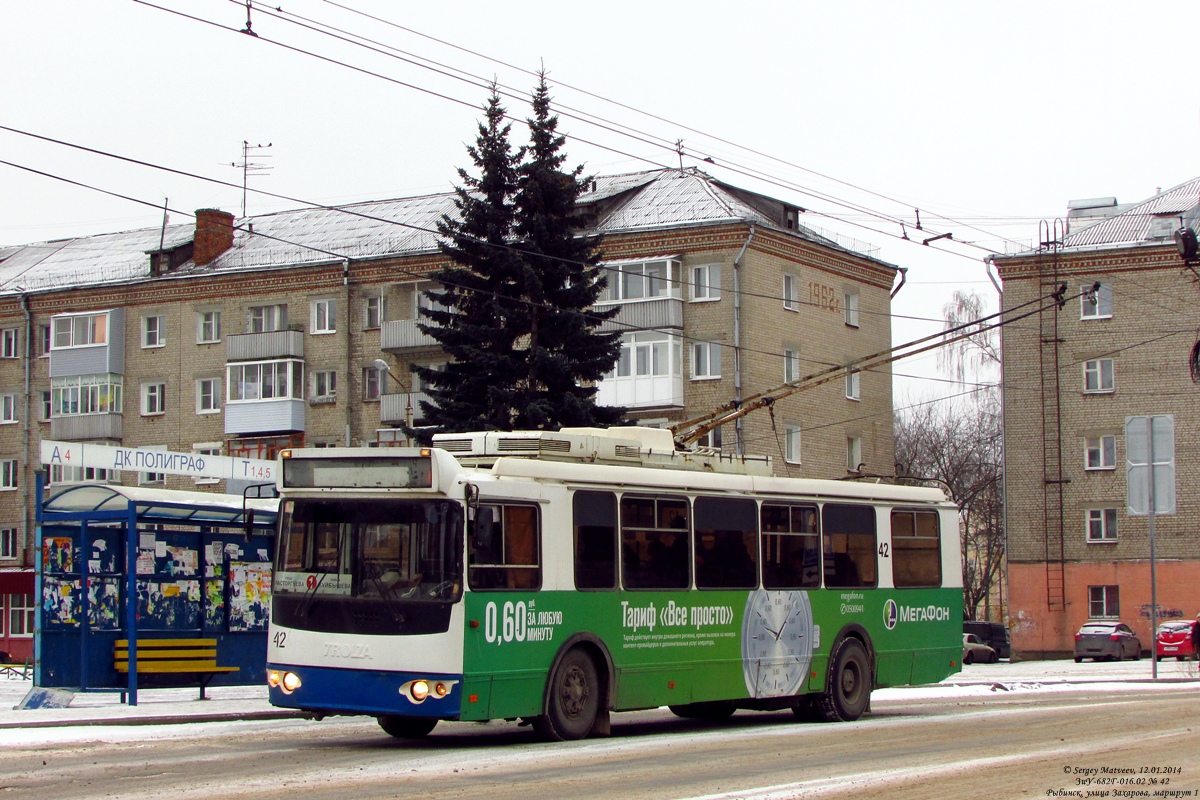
column 648, row 200
column 1152, row 221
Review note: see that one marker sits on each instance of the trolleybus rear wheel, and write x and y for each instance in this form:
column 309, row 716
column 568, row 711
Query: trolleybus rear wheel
column 406, row 727
column 574, row 699
column 849, row 683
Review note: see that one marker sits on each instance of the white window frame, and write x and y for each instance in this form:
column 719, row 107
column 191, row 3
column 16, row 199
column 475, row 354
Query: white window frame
column 8, row 544
column 9, row 475
column 791, row 366
column 8, row 409
column 154, row 398
column 712, row 440
column 706, row 360
column 208, row 395
column 853, row 383
column 44, row 340
column 1101, row 525
column 372, row 385
column 152, row 478
column 324, row 316
column 10, row 340
column 206, row 449
column 853, row 453
column 1109, row 607
column 47, row 405
column 20, row 617
column 1100, row 453
column 245, row 381
column 705, row 285
column 637, row 281
column 792, row 441
column 1095, row 373
column 208, row 327
column 1101, row 307
column 324, row 384
column 852, row 309
column 266, row 318
column 77, row 395
column 60, row 474
column 791, row 291
column 648, row 354
column 79, row 330
column 374, row 311
column 154, row 331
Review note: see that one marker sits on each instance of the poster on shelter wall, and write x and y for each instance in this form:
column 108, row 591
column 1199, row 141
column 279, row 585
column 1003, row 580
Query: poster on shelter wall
column 60, row 601
column 58, row 554
column 104, row 603
column 249, row 596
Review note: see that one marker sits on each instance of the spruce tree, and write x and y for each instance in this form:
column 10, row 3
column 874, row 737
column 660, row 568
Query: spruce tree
column 562, row 280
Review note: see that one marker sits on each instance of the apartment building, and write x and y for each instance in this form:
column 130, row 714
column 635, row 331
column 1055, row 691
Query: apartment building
column 241, row 337
column 1073, row 376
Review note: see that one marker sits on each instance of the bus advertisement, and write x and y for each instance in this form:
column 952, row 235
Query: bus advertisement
column 419, row 584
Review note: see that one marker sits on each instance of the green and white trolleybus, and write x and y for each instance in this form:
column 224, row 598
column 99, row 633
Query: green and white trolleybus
column 560, row 576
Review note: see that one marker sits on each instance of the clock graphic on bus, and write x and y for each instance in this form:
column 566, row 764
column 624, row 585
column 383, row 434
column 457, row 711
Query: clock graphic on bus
column 777, row 642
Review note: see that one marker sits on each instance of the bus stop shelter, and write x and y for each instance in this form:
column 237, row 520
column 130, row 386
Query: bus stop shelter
column 123, row 564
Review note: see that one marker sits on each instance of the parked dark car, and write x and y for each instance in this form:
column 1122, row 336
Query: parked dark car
column 993, row 634
column 1178, row 638
column 1112, row 641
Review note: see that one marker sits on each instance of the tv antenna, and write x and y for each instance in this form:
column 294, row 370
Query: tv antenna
column 249, row 167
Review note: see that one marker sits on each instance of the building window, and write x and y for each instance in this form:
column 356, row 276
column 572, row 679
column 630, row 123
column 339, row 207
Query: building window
column 791, row 366
column 154, row 398
column 852, row 309
column 706, row 282
column 641, row 281
column 154, row 332
column 324, row 384
column 371, row 383
column 1102, row 525
column 265, row 380
column 8, row 473
column 374, row 312
column 324, row 316
column 264, row 319
column 1101, row 452
column 8, row 543
column 647, row 354
column 208, row 395
column 711, row 440
column 706, row 360
column 1098, row 375
column 145, row 478
column 60, row 473
column 1098, row 304
column 9, row 339
column 208, row 327
column 791, row 444
column 47, row 406
column 791, row 292
column 853, row 383
column 8, row 408
column 854, row 462
column 20, row 614
column 87, row 394
column 43, row 339
column 80, row 330
column 206, row 449
column 1104, row 602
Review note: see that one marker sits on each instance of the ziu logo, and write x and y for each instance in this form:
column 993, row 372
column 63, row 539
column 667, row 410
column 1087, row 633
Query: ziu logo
column 347, row 650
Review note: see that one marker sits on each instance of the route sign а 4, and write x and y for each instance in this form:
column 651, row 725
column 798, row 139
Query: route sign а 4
column 672, row 648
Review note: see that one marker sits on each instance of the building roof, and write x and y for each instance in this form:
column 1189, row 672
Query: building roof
column 640, row 201
column 1151, row 222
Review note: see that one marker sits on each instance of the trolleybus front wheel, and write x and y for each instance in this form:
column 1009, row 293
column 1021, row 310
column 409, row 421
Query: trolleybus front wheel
column 574, row 699
column 849, row 683
column 406, row 727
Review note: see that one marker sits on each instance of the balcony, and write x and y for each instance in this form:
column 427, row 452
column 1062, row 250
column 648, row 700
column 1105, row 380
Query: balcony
column 254, row 417
column 658, row 314
column 85, row 427
column 105, row 358
column 403, row 334
column 658, row 391
column 394, row 408
column 261, row 346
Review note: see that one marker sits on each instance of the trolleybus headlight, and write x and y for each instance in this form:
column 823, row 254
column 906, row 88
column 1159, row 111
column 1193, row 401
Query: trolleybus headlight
column 291, row 682
column 441, row 689
column 274, row 678
column 419, row 690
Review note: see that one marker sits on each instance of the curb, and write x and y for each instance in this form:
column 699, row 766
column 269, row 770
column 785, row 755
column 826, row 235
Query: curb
column 168, row 719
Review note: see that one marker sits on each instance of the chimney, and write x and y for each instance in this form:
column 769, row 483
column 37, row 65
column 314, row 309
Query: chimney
column 214, row 235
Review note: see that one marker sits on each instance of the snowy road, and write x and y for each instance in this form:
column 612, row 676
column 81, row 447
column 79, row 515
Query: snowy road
column 1020, row 740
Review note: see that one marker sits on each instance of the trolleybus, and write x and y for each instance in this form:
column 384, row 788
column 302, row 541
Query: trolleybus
column 556, row 577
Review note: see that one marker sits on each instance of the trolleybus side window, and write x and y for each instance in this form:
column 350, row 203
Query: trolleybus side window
column 849, row 545
column 916, row 549
column 791, row 547
column 654, row 543
column 726, row 543
column 504, row 550
column 595, row 525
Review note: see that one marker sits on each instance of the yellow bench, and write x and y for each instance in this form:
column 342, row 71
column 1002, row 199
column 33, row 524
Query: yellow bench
column 173, row 656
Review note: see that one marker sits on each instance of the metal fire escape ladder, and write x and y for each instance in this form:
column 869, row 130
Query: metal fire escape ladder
column 1053, row 480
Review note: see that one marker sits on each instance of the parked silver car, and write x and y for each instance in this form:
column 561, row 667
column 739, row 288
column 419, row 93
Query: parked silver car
column 1112, row 641
column 975, row 650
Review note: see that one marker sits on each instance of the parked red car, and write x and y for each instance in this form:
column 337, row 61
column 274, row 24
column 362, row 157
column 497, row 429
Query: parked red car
column 1178, row 638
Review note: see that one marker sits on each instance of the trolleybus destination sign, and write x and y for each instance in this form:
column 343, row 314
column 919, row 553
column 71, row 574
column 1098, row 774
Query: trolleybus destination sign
column 200, row 465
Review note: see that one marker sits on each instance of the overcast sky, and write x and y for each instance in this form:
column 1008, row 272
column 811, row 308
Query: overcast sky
column 992, row 116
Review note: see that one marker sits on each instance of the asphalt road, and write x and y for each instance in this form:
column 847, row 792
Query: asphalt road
column 1002, row 743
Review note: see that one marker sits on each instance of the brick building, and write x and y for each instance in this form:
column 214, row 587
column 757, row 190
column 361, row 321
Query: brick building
column 242, row 337
column 1071, row 378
